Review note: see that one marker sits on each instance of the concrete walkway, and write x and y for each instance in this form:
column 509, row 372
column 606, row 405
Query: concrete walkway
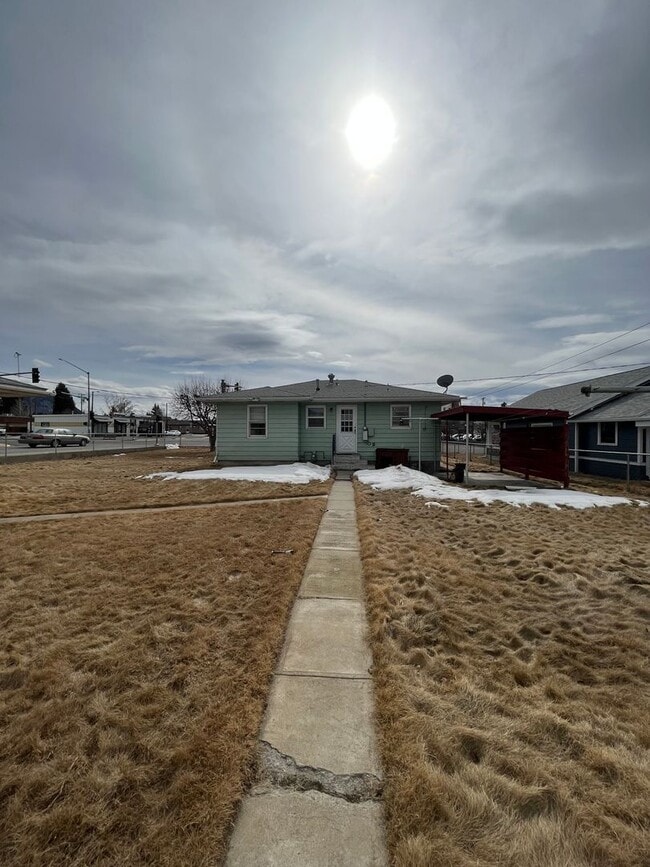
column 317, row 799
column 64, row 516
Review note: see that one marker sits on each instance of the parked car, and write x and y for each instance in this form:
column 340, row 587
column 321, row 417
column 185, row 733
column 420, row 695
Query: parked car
column 173, row 433
column 53, row 436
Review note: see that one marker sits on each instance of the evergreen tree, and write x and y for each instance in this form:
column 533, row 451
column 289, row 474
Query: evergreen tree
column 63, row 400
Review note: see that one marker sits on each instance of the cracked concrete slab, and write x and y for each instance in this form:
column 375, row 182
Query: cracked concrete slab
column 333, row 573
column 282, row 828
column 278, row 769
column 326, row 636
column 339, row 518
column 323, row 724
column 337, row 537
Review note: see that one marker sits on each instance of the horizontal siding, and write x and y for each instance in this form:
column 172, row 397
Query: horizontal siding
column 281, row 443
column 317, row 441
column 289, row 439
column 380, row 434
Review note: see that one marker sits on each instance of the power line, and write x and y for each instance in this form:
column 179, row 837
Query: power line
column 596, row 346
column 540, row 373
column 116, row 391
column 531, row 375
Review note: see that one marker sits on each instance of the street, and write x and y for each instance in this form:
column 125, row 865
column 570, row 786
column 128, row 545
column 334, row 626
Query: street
column 11, row 448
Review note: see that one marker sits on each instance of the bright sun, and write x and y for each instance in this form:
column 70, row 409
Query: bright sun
column 371, row 131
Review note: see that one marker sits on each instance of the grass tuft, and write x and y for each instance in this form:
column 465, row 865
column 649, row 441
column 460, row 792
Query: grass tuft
column 510, row 661
column 135, row 661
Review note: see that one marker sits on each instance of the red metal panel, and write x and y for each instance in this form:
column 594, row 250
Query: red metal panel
column 537, row 451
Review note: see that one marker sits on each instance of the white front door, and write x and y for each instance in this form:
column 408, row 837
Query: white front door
column 346, row 429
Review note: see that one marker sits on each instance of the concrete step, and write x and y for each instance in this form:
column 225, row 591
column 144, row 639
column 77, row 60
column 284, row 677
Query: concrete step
column 349, row 462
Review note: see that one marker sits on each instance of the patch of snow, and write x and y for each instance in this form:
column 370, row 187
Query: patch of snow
column 121, row 455
column 394, row 478
column 172, row 446
column 434, row 489
column 292, row 474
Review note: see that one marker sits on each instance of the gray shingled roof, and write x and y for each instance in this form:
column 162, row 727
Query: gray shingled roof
column 569, row 397
column 628, row 407
column 339, row 391
column 14, row 388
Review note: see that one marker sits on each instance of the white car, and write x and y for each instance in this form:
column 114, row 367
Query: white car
column 172, row 433
column 54, row 437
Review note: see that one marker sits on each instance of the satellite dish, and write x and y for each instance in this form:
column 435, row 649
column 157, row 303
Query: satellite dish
column 445, row 380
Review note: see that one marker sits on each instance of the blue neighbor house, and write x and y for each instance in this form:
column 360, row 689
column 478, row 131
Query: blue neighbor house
column 609, row 430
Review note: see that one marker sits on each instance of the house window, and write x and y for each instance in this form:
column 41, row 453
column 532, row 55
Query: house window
column 607, row 433
column 315, row 416
column 257, row 421
column 400, row 415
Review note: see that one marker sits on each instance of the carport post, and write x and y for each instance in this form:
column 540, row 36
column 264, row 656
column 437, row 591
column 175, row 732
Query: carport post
column 467, row 452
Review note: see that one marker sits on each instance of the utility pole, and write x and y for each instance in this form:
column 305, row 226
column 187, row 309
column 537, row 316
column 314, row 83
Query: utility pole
column 88, row 416
column 17, row 356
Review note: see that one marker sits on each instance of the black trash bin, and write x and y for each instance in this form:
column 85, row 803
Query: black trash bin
column 459, row 472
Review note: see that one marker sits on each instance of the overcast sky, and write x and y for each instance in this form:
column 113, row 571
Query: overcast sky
column 177, row 195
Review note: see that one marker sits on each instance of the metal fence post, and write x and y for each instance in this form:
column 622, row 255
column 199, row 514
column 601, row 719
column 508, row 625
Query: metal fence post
column 627, row 470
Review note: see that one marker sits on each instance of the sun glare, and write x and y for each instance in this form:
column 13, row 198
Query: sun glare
column 371, row 131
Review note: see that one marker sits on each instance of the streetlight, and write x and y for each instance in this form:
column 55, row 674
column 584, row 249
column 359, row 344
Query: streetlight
column 87, row 372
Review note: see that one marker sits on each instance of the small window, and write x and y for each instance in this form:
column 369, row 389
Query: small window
column 400, row 415
column 607, row 433
column 315, row 416
column 257, row 421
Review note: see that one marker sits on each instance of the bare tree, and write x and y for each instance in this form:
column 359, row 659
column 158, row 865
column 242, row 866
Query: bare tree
column 118, row 404
column 186, row 402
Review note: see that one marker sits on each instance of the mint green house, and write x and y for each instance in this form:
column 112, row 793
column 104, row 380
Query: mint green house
column 349, row 423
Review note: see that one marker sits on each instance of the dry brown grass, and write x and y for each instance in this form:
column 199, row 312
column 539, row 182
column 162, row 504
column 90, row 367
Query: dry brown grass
column 135, row 658
column 97, row 483
column 511, row 681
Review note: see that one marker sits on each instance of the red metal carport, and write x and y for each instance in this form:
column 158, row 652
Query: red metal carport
column 534, row 442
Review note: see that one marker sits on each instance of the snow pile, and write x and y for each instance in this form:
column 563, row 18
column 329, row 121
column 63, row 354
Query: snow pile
column 432, row 488
column 394, row 478
column 172, row 446
column 292, row 474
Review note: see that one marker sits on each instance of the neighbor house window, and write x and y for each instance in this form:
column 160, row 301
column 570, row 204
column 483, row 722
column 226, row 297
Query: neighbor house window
column 257, row 426
column 316, row 416
column 400, row 415
column 607, row 433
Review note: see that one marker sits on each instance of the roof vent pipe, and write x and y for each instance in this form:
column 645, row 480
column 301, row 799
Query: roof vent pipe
column 318, row 385
column 330, row 376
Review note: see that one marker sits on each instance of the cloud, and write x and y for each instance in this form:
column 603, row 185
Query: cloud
column 176, row 193
column 570, row 321
column 617, row 215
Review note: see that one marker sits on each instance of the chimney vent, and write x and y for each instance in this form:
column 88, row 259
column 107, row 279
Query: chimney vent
column 330, row 376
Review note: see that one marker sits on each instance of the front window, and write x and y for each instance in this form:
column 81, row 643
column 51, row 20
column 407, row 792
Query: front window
column 400, row 415
column 607, row 433
column 316, row 416
column 257, row 421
